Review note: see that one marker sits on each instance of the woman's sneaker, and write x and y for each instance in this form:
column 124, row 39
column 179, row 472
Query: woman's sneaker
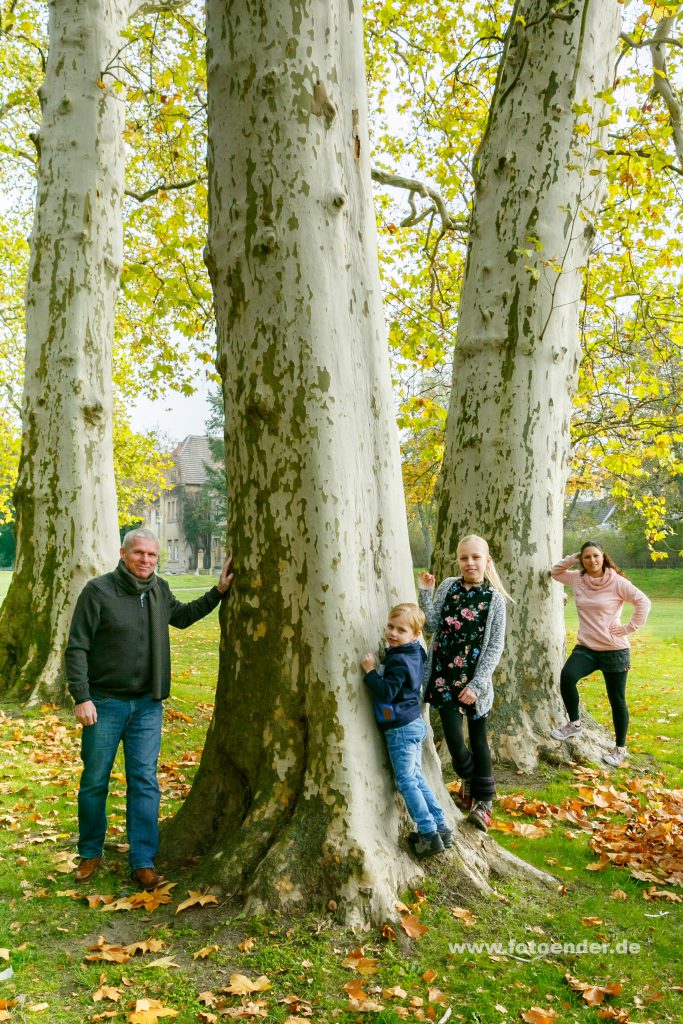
column 567, row 731
column 480, row 816
column 426, row 845
column 616, row 756
column 463, row 799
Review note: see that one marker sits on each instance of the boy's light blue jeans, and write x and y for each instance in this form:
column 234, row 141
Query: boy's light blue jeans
column 405, row 750
column 138, row 723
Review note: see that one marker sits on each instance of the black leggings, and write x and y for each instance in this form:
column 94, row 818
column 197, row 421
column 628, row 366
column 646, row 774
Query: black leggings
column 475, row 767
column 581, row 663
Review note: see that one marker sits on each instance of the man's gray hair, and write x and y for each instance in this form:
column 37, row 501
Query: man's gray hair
column 142, row 533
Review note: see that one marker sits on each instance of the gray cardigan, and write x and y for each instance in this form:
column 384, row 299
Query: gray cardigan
column 492, row 645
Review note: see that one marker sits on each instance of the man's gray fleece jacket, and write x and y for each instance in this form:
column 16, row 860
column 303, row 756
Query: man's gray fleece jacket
column 492, row 645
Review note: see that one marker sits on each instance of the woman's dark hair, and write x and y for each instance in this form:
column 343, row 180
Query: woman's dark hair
column 607, row 562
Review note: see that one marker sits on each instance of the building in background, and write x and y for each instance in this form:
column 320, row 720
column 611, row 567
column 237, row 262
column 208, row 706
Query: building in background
column 186, row 517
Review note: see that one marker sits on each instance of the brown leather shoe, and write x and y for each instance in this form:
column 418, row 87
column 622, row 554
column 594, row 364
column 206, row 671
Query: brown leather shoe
column 147, row 878
column 87, row 868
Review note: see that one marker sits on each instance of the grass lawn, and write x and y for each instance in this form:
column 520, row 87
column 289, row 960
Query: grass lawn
column 186, row 961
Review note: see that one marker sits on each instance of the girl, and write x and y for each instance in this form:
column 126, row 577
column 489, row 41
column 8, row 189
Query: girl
column 600, row 590
column 467, row 618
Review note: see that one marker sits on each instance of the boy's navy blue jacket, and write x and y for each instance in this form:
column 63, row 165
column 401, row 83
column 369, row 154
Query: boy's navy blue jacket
column 397, row 700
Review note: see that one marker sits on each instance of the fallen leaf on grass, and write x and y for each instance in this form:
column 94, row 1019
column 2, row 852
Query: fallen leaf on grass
column 429, row 976
column 208, row 998
column 592, row 922
column 65, row 862
column 240, row 985
column 4, row 1015
column 197, row 899
column 246, row 945
column 37, row 1007
column 435, row 995
column 359, row 999
column 529, row 831
column 537, row 1015
column 357, row 961
column 620, row 1016
column 662, row 894
column 500, row 1008
column 147, row 1011
column 388, row 933
column 4, row 954
column 205, row 951
column 594, row 995
column 94, row 901
column 413, row 928
column 209, row 1018
column 144, row 946
column 107, row 992
column 164, row 961
column 466, row 916
column 395, row 992
column 246, row 1010
column 148, row 899
column 618, row 894
column 105, row 951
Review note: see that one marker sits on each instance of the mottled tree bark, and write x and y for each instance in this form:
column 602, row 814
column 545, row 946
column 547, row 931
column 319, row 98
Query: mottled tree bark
column 65, row 499
column 293, row 802
column 538, row 181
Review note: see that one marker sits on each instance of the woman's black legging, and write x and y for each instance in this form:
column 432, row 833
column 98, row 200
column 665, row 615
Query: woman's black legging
column 582, row 663
column 476, row 766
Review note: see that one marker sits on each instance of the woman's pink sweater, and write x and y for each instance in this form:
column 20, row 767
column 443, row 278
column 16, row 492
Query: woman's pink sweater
column 599, row 603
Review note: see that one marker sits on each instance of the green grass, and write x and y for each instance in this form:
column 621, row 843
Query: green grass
column 46, row 931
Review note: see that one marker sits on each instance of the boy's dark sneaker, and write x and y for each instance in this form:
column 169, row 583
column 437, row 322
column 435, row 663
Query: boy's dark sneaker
column 480, row 816
column 426, row 845
column 446, row 837
column 463, row 799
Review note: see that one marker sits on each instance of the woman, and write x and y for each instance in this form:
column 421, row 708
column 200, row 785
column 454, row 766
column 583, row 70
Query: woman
column 600, row 591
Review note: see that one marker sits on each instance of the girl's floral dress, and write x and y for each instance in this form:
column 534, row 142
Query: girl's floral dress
column 457, row 644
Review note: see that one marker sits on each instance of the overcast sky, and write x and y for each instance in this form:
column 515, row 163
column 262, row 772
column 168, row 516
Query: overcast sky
column 176, row 415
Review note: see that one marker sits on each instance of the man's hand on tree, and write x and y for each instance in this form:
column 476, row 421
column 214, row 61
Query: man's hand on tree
column 86, row 713
column 226, row 576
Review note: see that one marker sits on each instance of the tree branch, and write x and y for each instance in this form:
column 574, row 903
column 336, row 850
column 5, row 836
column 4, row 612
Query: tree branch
column 415, row 187
column 164, row 186
column 636, row 45
column 662, row 85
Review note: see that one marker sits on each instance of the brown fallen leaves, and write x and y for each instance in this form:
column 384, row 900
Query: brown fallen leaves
column 594, row 995
column 648, row 842
column 109, row 953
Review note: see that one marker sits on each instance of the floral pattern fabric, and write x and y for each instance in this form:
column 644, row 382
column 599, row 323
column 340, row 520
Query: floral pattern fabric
column 457, row 644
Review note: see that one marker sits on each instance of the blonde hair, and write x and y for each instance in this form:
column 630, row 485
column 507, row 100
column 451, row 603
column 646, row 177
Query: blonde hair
column 490, row 572
column 413, row 615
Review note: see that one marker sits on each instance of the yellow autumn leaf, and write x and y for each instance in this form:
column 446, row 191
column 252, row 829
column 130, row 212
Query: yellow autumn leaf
column 205, row 951
column 197, row 899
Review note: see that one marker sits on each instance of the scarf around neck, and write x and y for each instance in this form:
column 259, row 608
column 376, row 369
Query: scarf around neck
column 133, row 585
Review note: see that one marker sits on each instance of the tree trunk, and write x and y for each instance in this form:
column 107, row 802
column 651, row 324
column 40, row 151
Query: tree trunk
column 538, row 182
column 293, row 800
column 66, row 523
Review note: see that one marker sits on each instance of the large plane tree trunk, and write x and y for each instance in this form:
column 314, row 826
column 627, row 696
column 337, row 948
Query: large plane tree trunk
column 65, row 498
column 293, row 803
column 539, row 179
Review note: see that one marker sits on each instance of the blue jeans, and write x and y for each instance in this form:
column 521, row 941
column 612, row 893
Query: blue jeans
column 138, row 723
column 405, row 750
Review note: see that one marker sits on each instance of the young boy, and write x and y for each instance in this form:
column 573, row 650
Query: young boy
column 398, row 709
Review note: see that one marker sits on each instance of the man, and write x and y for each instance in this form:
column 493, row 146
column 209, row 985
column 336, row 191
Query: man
column 118, row 667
